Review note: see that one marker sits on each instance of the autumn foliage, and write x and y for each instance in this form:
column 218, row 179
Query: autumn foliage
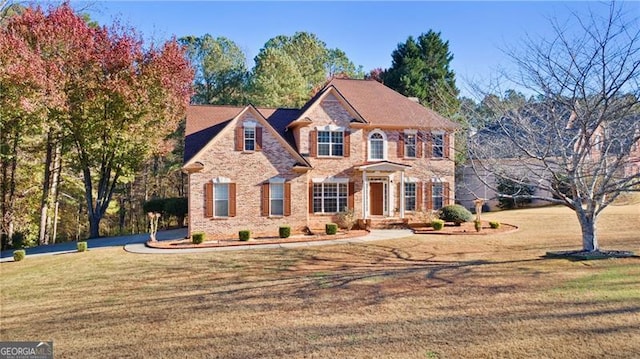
column 99, row 90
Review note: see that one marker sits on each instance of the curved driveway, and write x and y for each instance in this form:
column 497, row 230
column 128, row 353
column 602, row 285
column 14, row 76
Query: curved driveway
column 135, row 243
column 374, row 235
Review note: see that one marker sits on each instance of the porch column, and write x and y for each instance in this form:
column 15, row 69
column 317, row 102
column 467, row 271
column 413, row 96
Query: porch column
column 365, row 194
column 402, row 195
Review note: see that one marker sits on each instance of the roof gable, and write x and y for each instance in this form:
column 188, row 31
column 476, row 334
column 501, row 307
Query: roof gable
column 206, row 123
column 316, row 100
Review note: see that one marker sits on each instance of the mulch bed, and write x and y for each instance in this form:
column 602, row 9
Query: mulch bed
column 467, row 228
column 186, row 243
column 580, row 255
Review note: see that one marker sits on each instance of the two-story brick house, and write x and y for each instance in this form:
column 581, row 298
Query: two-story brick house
column 356, row 144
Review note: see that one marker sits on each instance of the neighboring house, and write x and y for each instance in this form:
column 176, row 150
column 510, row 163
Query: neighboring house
column 356, row 144
column 475, row 181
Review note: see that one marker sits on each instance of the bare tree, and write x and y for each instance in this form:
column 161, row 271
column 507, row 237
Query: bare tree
column 577, row 139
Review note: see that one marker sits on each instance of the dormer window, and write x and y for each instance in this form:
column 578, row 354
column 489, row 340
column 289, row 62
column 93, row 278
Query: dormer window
column 377, row 146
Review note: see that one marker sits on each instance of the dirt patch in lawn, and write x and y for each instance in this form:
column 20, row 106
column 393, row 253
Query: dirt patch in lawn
column 467, row 228
column 186, row 243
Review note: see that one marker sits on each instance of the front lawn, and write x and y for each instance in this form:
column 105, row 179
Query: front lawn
column 490, row 296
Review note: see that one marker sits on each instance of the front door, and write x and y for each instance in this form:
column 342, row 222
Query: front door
column 376, row 198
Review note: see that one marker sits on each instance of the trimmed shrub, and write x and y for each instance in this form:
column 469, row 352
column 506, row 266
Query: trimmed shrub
column 197, row 237
column 81, row 246
column 18, row 240
column 154, row 205
column 244, row 235
column 477, row 225
column 455, row 213
column 284, row 231
column 494, row 224
column 176, row 207
column 331, row 228
column 437, row 224
column 19, row 255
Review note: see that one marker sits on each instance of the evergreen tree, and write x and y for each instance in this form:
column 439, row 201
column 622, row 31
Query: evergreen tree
column 420, row 68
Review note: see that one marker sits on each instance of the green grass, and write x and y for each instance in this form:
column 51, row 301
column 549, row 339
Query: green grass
column 614, row 282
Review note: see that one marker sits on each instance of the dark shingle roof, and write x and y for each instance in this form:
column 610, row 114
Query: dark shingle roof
column 204, row 122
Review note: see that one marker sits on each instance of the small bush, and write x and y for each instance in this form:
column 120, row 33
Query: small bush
column 244, row 235
column 455, row 213
column 19, row 255
column 437, row 224
column 347, row 218
column 81, row 246
column 494, row 224
column 197, row 237
column 18, row 240
column 331, row 228
column 284, row 231
column 477, row 225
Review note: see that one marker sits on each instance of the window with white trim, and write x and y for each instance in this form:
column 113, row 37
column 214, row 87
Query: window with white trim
column 276, row 199
column 249, row 138
column 437, row 195
column 410, row 196
column 330, row 143
column 329, row 197
column 437, row 142
column 221, row 199
column 410, row 145
column 377, row 146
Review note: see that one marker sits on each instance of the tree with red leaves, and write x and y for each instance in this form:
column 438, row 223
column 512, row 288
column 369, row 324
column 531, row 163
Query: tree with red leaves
column 112, row 100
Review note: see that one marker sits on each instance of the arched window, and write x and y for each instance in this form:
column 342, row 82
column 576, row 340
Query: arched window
column 377, row 146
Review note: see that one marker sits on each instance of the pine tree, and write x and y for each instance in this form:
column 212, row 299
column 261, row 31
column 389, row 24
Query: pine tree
column 421, row 68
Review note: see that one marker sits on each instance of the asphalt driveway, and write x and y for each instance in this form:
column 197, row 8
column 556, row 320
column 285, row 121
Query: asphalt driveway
column 119, row 241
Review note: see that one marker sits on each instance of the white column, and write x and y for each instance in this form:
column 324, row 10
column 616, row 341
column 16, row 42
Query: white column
column 365, row 194
column 402, row 194
column 390, row 196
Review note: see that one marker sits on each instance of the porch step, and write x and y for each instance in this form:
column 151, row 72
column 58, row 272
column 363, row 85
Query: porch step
column 388, row 223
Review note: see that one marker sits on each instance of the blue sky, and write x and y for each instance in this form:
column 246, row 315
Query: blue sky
column 367, row 31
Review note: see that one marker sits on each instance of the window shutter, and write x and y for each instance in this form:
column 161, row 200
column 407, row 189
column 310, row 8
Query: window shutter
column 428, row 145
column 287, row 198
column 265, row 199
column 446, row 194
column 418, row 146
column 346, row 143
column 313, row 143
column 258, row 138
column 400, row 144
column 239, row 138
column 419, row 196
column 429, row 196
column 208, row 199
column 232, row 199
column 310, row 197
column 351, row 203
column 447, row 150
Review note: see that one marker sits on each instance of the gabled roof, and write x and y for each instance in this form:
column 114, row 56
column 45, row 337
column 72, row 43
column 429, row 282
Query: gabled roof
column 378, row 105
column 205, row 122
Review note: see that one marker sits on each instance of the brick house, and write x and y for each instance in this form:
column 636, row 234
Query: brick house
column 356, row 144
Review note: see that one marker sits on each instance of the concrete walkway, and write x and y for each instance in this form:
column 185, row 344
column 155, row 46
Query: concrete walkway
column 375, row 235
column 136, row 244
